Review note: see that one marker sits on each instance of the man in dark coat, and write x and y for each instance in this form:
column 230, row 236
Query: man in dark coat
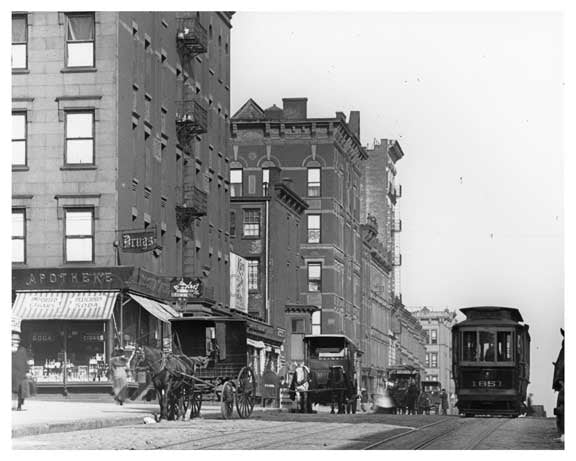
column 19, row 375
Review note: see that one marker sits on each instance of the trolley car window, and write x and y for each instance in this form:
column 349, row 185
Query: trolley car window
column 469, row 346
column 487, row 348
column 504, row 346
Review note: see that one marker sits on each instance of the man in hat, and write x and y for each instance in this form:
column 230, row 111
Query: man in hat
column 20, row 386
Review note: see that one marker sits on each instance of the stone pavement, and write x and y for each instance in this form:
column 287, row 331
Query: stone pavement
column 47, row 416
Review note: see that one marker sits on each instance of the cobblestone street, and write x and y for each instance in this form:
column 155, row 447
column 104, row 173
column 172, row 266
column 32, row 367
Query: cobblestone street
column 281, row 431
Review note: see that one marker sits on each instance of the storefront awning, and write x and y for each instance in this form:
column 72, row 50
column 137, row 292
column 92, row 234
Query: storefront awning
column 54, row 305
column 159, row 310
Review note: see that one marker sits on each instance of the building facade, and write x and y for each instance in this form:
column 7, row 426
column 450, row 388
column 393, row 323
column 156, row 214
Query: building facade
column 437, row 324
column 322, row 157
column 119, row 179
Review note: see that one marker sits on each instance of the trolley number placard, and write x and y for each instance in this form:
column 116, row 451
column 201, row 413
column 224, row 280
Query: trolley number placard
column 487, row 384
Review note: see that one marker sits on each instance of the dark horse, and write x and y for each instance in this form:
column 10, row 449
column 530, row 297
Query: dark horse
column 170, row 375
column 558, row 386
column 339, row 389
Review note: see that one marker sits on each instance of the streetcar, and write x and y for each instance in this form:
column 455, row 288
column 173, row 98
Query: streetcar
column 491, row 361
column 403, row 383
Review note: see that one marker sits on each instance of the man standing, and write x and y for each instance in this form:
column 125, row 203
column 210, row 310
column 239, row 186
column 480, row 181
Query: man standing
column 444, row 401
column 20, row 386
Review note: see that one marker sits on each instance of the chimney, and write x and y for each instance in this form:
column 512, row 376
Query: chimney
column 341, row 116
column 354, row 122
column 295, row 108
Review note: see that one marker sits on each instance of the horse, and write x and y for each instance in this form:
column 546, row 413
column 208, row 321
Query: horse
column 300, row 385
column 171, row 378
column 558, row 386
column 337, row 384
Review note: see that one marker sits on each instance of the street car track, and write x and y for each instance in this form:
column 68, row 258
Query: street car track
column 403, row 434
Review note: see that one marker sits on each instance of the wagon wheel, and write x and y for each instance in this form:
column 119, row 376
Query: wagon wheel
column 246, row 392
column 195, row 404
column 227, row 400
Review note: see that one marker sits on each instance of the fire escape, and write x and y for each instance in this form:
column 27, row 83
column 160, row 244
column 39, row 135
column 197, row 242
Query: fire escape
column 194, row 204
column 192, row 37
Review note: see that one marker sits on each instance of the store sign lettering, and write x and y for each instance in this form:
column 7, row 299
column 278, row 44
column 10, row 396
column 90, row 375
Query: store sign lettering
column 138, row 242
column 42, row 279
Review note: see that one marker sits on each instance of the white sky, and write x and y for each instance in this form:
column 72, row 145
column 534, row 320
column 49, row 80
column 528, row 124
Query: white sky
column 475, row 100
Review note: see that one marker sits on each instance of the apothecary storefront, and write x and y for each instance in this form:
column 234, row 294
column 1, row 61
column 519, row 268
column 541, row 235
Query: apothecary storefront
column 73, row 320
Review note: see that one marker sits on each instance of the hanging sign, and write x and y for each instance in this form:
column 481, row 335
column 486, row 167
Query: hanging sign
column 185, row 287
column 138, row 241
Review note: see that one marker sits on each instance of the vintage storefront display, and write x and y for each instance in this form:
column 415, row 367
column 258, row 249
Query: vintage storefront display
column 73, row 319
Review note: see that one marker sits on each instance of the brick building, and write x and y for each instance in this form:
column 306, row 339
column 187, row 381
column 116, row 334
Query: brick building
column 120, row 178
column 437, row 323
column 265, row 222
column 322, row 157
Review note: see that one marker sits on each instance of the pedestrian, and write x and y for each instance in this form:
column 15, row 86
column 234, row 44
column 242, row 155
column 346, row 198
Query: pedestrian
column 444, row 401
column 20, row 368
column 363, row 399
column 118, row 367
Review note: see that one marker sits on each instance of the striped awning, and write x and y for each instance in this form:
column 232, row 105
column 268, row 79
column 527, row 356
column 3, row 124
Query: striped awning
column 56, row 305
column 159, row 310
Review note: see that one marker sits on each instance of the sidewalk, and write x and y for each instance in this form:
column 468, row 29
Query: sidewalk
column 47, row 416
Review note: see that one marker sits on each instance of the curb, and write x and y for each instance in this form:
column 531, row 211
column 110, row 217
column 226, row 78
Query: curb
column 78, row 425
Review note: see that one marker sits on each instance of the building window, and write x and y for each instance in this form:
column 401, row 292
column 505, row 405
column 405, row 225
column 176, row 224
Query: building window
column 18, row 236
column 314, row 276
column 313, row 182
column 317, row 323
column 80, row 138
column 253, row 274
column 79, row 232
column 80, row 40
column 433, row 336
column 298, row 326
column 427, row 360
column 265, row 180
column 19, row 138
column 433, row 359
column 232, row 224
column 19, row 41
column 251, row 223
column 235, row 182
column 313, row 228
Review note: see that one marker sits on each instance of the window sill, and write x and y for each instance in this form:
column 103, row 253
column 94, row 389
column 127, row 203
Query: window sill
column 78, row 167
column 251, row 237
column 20, row 71
column 75, row 263
column 73, row 70
column 20, row 168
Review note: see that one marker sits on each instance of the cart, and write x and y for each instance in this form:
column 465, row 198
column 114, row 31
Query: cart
column 225, row 375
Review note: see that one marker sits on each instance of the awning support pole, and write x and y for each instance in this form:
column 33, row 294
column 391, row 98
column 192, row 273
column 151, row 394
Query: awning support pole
column 121, row 319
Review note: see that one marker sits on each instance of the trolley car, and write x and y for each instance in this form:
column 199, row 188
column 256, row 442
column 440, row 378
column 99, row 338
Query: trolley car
column 399, row 380
column 226, row 375
column 491, row 361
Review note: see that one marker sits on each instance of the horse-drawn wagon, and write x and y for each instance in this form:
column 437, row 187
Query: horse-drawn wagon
column 209, row 360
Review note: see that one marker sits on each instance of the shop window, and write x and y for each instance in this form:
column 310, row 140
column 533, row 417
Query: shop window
column 433, row 336
column 19, row 41
column 80, row 40
column 79, row 138
column 314, row 182
column 253, row 274
column 469, row 346
column 434, row 360
column 19, row 136
column 18, row 236
column 235, row 182
column 314, row 276
column 79, row 232
column 251, row 222
column 314, row 228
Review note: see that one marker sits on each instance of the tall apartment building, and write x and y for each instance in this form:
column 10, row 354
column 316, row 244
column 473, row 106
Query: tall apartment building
column 322, row 157
column 437, row 323
column 119, row 179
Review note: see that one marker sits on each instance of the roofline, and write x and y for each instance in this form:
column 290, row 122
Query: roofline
column 516, row 315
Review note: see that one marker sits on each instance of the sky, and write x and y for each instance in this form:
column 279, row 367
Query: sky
column 476, row 102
